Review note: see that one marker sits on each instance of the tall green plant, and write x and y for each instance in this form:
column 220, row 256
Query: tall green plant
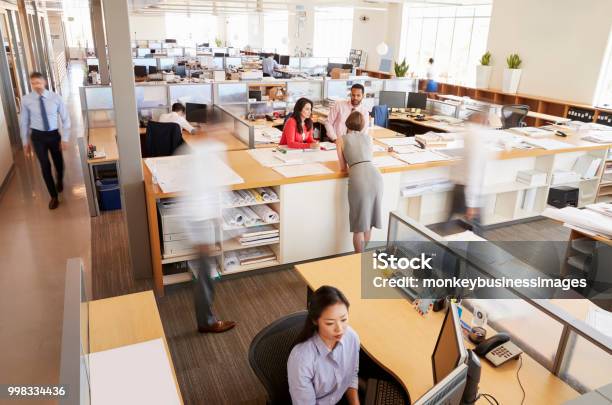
column 218, row 42
column 401, row 69
column 514, row 61
column 485, row 59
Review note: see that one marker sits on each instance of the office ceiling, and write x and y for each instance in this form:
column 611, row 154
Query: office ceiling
column 153, row 7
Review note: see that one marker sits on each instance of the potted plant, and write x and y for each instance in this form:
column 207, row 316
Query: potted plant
column 401, row 69
column 483, row 71
column 218, row 42
column 512, row 74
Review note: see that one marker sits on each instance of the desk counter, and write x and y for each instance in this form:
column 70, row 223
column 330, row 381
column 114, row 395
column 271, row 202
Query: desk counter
column 402, row 341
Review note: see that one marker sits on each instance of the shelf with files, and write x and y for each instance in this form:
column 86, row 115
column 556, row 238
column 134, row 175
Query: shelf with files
column 226, row 228
column 250, row 267
column 233, row 244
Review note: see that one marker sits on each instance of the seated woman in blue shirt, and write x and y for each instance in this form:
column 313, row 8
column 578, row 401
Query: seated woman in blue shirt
column 324, row 363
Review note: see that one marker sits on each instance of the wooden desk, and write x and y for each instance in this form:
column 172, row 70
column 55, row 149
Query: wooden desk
column 402, row 341
column 126, row 320
column 436, row 125
column 105, row 140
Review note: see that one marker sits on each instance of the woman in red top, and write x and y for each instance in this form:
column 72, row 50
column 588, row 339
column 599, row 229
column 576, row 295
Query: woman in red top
column 297, row 133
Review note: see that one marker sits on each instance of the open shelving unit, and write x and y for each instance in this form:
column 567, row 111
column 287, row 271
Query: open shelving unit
column 604, row 191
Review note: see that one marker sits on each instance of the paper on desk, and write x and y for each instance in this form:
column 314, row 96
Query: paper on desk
column 378, row 148
column 548, row 144
column 386, row 161
column 406, row 149
column 309, row 169
column 173, row 173
column 421, row 157
column 587, row 219
column 398, row 141
column 599, row 319
column 266, row 157
column 133, row 374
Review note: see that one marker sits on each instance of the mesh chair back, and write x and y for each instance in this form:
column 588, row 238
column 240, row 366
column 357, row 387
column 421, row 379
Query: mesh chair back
column 513, row 115
column 162, row 138
column 269, row 353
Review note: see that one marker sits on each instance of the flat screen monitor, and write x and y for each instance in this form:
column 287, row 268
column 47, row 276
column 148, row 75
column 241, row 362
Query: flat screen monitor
column 195, row 112
column 255, row 94
column 152, row 51
column 392, row 99
column 450, row 350
column 140, row 71
column 92, row 68
column 152, row 70
column 170, row 41
column 219, row 54
column 417, row 100
column 284, row 60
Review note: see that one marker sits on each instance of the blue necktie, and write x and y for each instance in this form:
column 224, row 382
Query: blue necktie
column 43, row 113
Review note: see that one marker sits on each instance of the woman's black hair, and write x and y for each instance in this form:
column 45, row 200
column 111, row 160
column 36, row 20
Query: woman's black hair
column 297, row 114
column 431, row 60
column 324, row 297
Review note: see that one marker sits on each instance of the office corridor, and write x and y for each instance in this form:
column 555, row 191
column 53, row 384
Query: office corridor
column 35, row 243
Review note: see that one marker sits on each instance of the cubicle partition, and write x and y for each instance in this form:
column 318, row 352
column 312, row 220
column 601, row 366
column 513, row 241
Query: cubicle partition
column 231, row 117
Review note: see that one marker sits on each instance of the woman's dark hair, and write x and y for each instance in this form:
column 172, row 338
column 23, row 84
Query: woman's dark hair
column 324, row 297
column 355, row 121
column 297, row 116
column 430, row 60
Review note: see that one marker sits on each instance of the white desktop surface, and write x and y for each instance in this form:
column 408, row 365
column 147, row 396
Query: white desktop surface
column 133, row 374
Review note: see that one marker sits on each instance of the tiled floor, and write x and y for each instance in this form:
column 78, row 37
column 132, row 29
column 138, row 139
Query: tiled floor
column 34, row 246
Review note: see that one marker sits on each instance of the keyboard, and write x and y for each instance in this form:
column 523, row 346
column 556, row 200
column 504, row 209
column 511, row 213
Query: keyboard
column 382, row 392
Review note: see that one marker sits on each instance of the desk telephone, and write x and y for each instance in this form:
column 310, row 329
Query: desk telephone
column 498, row 349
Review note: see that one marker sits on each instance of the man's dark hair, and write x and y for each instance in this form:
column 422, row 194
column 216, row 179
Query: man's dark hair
column 178, row 107
column 358, row 86
column 36, row 75
column 431, row 60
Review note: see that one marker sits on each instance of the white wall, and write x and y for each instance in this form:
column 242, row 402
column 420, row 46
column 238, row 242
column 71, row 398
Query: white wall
column 562, row 45
column 6, row 154
column 147, row 27
column 301, row 33
column 368, row 34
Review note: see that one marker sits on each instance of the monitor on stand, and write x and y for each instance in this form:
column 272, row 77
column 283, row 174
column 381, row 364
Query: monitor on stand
column 392, row 99
column 195, row 112
column 417, row 100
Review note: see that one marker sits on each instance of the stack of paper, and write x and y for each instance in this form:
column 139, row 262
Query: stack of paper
column 531, row 177
column 532, row 132
column 256, row 255
column 258, row 236
column 548, row 144
column 601, row 208
column 591, row 221
column 426, row 186
column 398, row 141
column 267, row 134
column 434, row 139
column 599, row 137
column 564, row 177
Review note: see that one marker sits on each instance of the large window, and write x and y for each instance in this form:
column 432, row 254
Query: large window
column 276, row 32
column 333, row 31
column 237, row 30
column 454, row 36
column 603, row 98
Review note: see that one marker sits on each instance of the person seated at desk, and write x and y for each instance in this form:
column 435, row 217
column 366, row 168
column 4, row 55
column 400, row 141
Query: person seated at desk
column 269, row 66
column 298, row 130
column 340, row 111
column 365, row 185
column 324, row 363
column 178, row 117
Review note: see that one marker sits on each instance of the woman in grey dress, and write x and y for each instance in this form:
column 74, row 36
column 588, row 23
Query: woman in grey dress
column 365, row 185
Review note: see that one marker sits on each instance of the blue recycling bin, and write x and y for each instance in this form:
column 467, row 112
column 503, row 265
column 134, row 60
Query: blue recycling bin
column 109, row 195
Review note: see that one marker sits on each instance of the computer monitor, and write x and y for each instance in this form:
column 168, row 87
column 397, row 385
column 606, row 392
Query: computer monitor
column 92, row 68
column 284, row 60
column 449, row 358
column 256, row 94
column 392, row 99
column 152, row 70
column 417, row 100
column 180, row 70
column 170, row 41
column 195, row 112
column 140, row 71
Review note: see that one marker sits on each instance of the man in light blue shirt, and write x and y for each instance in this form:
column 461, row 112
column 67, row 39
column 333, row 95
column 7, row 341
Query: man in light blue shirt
column 40, row 113
column 269, row 65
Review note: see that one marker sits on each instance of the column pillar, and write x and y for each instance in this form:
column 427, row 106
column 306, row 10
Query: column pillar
column 99, row 37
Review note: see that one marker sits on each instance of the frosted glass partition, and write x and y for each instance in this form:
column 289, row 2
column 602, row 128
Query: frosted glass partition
column 234, row 62
column 92, row 61
column 99, row 98
column 294, row 63
column 313, row 65
column 240, row 128
column 231, row 93
column 310, row 89
column 151, row 96
column 336, row 89
column 145, row 62
column 406, row 85
column 373, row 87
column 100, row 119
column 436, row 107
column 191, row 93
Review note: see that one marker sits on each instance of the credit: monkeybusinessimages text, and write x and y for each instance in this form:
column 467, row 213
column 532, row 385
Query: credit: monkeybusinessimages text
column 384, row 261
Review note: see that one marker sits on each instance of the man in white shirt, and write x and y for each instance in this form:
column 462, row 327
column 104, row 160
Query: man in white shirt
column 342, row 109
column 178, row 117
column 269, row 66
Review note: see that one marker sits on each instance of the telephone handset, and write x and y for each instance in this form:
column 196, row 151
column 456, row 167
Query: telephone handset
column 498, row 349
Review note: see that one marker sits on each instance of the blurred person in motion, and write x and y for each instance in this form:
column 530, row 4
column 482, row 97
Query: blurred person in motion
column 468, row 174
column 202, row 213
column 431, row 75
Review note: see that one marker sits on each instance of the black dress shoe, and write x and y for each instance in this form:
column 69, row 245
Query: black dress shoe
column 60, row 187
column 217, row 327
column 53, row 203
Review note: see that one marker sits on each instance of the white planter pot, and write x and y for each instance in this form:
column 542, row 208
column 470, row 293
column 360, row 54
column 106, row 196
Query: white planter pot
column 512, row 77
column 483, row 76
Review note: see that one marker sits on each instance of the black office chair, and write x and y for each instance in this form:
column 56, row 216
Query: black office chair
column 162, row 139
column 513, row 115
column 269, row 353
